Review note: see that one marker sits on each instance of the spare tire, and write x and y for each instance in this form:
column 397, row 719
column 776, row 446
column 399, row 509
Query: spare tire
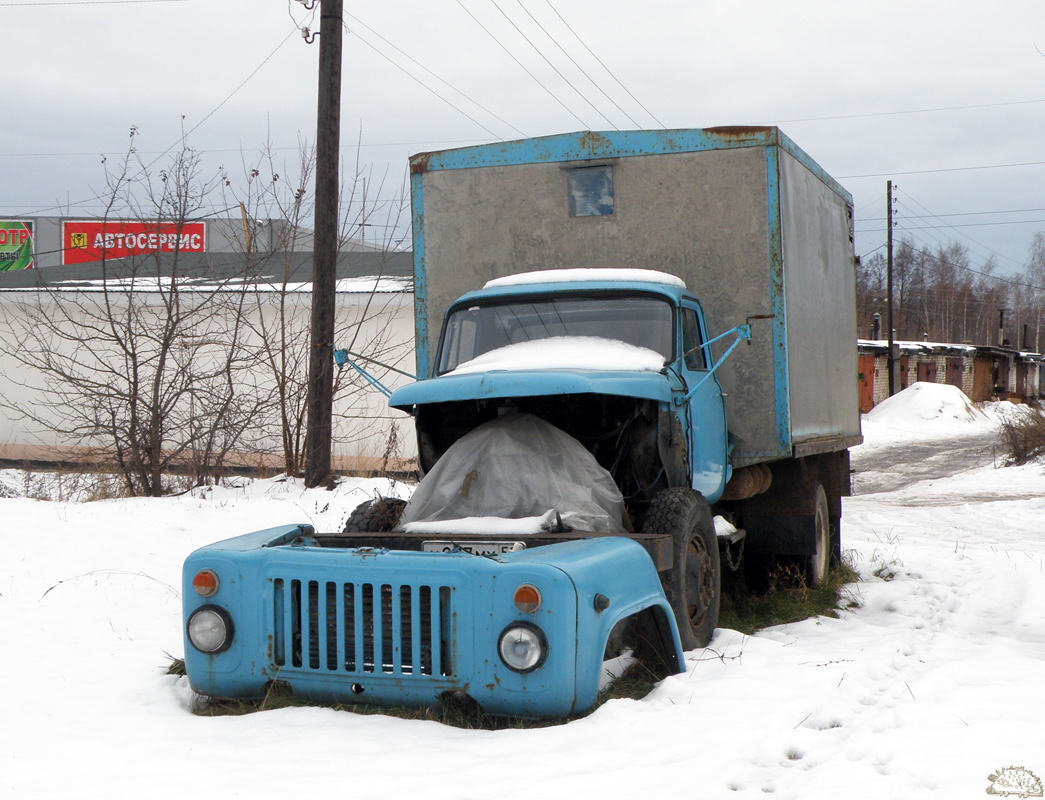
column 378, row 515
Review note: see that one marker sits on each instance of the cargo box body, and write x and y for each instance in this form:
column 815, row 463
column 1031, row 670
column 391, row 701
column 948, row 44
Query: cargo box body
column 755, row 228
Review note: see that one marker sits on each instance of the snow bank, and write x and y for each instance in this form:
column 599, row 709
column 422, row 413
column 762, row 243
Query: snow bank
column 921, row 403
column 566, row 352
column 923, row 410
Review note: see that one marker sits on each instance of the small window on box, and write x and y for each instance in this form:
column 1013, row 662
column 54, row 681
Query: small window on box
column 591, row 191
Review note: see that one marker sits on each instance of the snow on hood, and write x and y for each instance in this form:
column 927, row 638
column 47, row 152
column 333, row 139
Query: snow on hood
column 586, row 274
column 566, row 352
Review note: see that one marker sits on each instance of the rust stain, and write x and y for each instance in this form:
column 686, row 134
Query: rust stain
column 737, row 131
column 419, row 163
column 594, row 142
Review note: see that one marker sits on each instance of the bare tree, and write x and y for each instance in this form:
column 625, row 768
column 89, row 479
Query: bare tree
column 142, row 370
column 279, row 320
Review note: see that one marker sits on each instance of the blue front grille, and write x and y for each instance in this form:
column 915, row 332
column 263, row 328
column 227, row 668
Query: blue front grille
column 362, row 628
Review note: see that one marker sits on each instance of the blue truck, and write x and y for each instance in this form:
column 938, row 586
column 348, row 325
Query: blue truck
column 636, row 352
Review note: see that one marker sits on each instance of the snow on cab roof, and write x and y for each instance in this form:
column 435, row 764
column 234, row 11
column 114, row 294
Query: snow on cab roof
column 566, row 352
column 586, row 274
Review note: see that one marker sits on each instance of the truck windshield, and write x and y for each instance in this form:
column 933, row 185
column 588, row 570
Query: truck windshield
column 640, row 320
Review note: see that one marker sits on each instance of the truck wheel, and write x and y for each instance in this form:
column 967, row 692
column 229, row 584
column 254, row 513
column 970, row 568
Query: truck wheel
column 692, row 585
column 378, row 515
column 820, row 559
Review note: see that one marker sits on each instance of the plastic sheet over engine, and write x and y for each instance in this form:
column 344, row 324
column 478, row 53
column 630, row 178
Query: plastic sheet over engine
column 515, row 467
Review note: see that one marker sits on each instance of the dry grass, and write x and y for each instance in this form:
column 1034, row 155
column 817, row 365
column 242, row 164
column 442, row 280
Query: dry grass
column 1023, row 436
column 784, row 598
column 69, row 484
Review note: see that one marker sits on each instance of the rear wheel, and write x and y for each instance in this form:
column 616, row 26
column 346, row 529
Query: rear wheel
column 819, row 560
column 693, row 584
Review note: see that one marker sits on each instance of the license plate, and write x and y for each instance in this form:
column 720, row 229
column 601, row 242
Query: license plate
column 471, row 546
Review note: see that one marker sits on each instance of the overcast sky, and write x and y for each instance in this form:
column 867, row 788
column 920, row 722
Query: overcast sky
column 945, row 98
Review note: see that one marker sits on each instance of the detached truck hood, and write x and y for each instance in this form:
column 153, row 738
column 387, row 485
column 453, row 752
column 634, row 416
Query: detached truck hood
column 533, row 383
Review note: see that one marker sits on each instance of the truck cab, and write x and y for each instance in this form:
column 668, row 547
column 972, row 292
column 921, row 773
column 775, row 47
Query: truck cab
column 618, row 359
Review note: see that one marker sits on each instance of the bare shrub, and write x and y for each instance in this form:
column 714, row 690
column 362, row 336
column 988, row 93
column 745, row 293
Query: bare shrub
column 140, row 370
column 1023, row 436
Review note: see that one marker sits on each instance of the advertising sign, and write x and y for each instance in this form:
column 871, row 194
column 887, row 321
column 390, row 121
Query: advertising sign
column 16, row 244
column 94, row 240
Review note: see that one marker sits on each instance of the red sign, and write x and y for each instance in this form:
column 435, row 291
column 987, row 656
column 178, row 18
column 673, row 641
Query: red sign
column 95, row 240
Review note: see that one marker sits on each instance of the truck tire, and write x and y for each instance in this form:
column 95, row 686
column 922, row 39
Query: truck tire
column 693, row 584
column 818, row 562
column 379, row 515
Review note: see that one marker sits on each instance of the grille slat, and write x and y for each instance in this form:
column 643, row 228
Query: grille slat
column 360, row 628
column 416, row 663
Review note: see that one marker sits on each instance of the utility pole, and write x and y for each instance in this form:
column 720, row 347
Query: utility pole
column 889, row 285
column 324, row 267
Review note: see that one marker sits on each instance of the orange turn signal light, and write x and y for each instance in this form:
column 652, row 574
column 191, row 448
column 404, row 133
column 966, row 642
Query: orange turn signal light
column 205, row 582
column 527, row 598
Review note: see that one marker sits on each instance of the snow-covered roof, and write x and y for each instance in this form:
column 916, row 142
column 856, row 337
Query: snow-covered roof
column 586, row 274
column 916, row 346
column 355, row 272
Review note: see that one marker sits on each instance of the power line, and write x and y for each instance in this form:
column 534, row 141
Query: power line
column 871, row 252
column 968, row 213
column 434, row 75
column 232, row 93
column 185, row 134
column 910, row 111
column 547, row 61
column 943, row 169
column 608, row 72
column 976, row 224
column 523, row 66
column 423, row 84
column 90, row 3
column 573, row 61
column 957, row 226
column 1011, row 281
column 353, row 145
column 964, row 235
column 941, row 245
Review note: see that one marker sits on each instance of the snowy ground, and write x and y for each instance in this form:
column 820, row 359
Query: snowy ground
column 934, row 684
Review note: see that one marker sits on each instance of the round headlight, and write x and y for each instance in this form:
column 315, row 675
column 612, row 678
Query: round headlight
column 522, row 647
column 210, row 629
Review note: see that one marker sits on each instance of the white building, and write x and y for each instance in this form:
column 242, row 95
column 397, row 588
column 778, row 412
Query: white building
column 374, row 317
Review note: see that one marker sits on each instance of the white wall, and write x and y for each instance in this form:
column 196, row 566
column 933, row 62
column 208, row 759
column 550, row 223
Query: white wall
column 381, row 324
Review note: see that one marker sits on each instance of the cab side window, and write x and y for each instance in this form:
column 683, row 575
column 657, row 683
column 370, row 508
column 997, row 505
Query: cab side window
column 691, row 340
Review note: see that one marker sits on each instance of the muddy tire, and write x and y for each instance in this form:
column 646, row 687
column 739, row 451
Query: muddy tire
column 693, row 584
column 379, row 515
